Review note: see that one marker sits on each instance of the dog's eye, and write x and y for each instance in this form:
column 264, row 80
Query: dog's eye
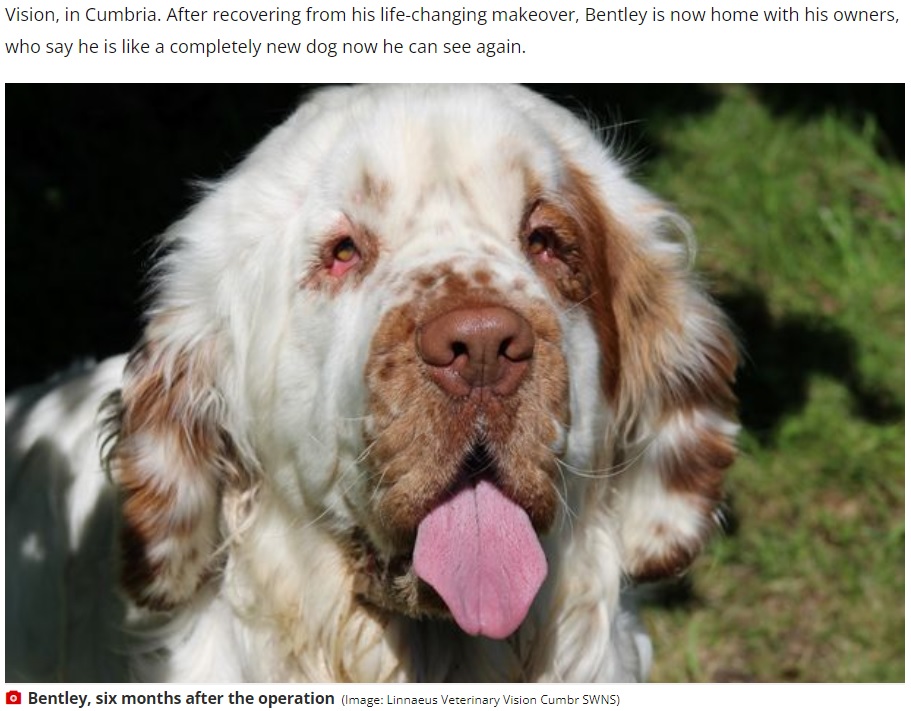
column 345, row 255
column 345, row 251
column 541, row 243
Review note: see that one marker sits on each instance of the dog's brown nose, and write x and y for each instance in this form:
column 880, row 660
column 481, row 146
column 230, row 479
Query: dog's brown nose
column 487, row 347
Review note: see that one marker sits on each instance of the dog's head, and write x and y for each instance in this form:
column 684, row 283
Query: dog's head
column 438, row 323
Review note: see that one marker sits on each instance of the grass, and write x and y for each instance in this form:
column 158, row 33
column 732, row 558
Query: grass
column 800, row 221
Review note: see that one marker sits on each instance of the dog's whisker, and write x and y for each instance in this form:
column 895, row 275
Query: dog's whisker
column 563, row 497
column 611, row 471
column 579, row 303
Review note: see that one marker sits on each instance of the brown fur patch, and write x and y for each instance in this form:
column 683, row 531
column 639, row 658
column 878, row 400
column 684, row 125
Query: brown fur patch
column 635, row 302
column 674, row 560
column 697, row 467
column 420, row 436
column 565, row 272
column 374, row 191
column 666, row 349
column 169, row 444
column 390, row 583
column 694, row 471
column 482, row 277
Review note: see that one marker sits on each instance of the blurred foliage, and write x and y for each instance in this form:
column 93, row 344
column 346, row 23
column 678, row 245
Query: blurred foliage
column 800, row 220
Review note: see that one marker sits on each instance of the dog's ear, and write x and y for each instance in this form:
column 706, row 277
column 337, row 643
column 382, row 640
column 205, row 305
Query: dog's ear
column 669, row 360
column 171, row 457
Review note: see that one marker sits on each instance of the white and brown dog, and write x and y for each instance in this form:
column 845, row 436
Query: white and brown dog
column 426, row 381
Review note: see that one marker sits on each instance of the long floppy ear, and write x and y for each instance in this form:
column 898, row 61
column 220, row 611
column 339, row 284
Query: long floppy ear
column 171, row 457
column 669, row 363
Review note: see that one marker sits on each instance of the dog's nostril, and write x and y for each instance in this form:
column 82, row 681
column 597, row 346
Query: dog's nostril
column 487, row 347
column 518, row 348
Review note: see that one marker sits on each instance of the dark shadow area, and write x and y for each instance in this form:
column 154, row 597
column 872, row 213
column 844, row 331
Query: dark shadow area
column 671, row 594
column 780, row 357
column 885, row 103
column 64, row 621
column 632, row 101
column 94, row 174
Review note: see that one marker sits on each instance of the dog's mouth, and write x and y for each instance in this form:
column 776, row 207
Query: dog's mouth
column 476, row 549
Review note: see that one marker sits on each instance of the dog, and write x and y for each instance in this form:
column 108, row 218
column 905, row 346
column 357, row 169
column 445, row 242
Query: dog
column 426, row 386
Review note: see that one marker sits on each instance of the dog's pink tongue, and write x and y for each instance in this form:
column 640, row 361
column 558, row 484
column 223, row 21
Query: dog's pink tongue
column 478, row 550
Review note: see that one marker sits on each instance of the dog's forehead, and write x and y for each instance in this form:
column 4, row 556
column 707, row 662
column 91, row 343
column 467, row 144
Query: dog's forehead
column 442, row 170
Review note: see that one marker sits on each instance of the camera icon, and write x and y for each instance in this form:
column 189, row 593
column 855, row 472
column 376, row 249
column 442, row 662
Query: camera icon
column 13, row 697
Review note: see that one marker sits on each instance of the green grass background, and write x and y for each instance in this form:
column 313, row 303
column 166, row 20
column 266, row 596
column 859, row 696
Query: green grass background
column 800, row 222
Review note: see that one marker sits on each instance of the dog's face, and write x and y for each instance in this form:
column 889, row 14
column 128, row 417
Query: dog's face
column 442, row 271
column 438, row 323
